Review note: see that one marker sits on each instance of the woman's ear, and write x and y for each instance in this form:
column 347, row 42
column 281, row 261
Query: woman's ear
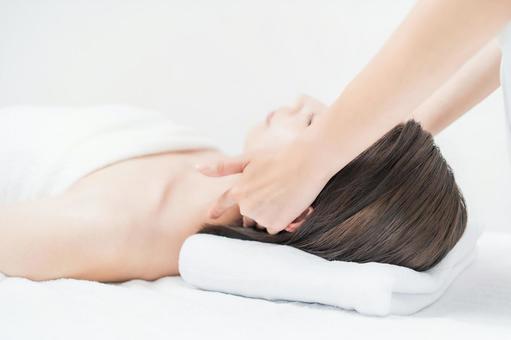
column 299, row 220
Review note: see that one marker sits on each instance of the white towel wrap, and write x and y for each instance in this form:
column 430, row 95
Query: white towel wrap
column 44, row 150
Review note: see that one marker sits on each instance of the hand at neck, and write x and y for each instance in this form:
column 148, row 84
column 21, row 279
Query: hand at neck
column 199, row 192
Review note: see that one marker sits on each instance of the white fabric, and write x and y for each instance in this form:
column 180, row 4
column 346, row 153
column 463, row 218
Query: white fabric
column 277, row 272
column 44, row 150
column 476, row 306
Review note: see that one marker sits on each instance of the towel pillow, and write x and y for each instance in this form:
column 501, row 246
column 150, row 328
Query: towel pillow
column 278, row 272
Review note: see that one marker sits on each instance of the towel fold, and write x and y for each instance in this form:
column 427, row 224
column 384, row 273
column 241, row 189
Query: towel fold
column 278, row 272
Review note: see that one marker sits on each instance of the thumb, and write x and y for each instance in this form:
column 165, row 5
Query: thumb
column 224, row 167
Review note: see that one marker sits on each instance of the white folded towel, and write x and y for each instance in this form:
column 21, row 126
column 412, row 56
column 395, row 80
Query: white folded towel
column 44, row 150
column 278, row 272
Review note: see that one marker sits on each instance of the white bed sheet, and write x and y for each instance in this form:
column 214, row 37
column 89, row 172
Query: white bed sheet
column 477, row 305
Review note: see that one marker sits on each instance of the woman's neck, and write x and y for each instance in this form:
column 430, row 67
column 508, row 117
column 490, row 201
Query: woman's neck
column 195, row 193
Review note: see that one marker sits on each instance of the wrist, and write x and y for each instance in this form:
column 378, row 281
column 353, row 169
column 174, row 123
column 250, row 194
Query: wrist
column 319, row 155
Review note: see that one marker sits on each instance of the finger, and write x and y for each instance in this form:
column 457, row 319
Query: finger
column 272, row 231
column 260, row 227
column 276, row 227
column 248, row 222
column 224, row 167
column 222, row 204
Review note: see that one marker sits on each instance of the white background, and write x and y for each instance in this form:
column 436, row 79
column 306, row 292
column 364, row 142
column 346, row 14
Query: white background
column 222, row 65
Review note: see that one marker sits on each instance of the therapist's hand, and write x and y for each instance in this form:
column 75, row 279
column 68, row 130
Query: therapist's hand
column 274, row 188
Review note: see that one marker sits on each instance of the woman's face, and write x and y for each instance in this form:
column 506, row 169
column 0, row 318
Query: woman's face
column 283, row 125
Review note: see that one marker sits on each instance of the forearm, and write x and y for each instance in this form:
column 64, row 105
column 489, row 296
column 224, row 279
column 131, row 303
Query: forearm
column 434, row 41
column 477, row 79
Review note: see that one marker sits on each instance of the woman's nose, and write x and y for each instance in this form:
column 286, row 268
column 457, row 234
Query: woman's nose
column 299, row 105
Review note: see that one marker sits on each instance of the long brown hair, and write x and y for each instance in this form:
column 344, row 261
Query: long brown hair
column 396, row 203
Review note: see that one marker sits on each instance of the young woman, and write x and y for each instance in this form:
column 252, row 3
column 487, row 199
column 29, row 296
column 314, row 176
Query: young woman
column 127, row 218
